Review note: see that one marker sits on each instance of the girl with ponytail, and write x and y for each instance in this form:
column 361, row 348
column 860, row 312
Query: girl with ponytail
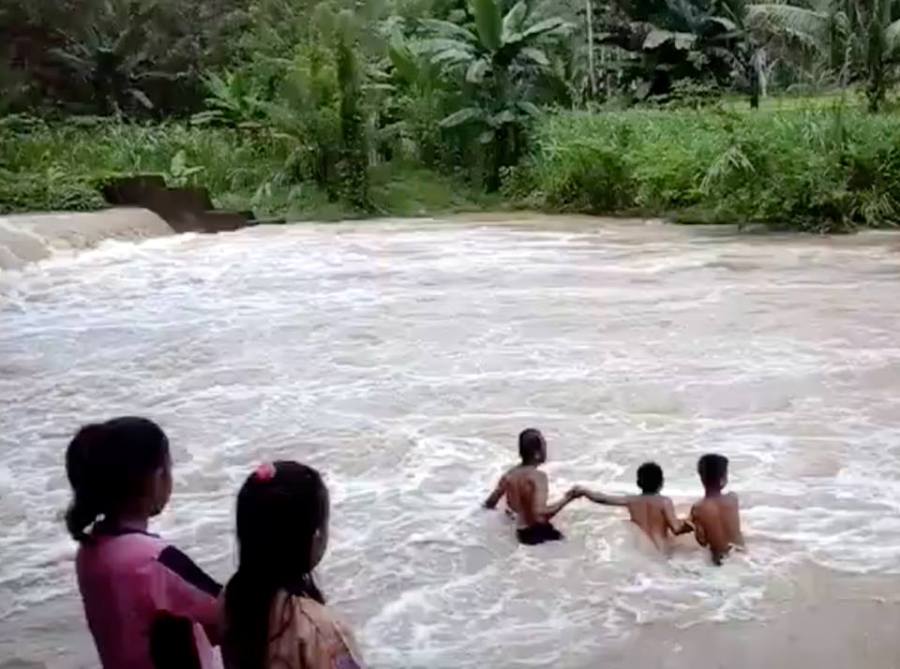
column 147, row 605
column 275, row 614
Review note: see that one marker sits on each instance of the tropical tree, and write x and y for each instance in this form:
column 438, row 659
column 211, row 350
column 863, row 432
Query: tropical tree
column 860, row 38
column 501, row 59
column 117, row 56
column 111, row 56
column 672, row 41
column 416, row 101
column 353, row 166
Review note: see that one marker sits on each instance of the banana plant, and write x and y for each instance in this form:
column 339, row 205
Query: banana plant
column 112, row 57
column 499, row 62
column 234, row 98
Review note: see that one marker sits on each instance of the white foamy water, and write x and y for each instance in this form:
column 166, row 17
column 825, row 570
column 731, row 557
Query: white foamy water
column 27, row 238
column 403, row 359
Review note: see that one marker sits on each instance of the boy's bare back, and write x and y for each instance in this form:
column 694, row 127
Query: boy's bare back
column 652, row 512
column 655, row 515
column 520, row 484
column 525, row 488
column 717, row 524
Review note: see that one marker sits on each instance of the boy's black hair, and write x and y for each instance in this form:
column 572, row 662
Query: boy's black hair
column 712, row 468
column 530, row 443
column 650, row 478
column 108, row 465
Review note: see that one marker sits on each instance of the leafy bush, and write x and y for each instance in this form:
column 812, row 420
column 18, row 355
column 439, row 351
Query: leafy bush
column 59, row 167
column 813, row 170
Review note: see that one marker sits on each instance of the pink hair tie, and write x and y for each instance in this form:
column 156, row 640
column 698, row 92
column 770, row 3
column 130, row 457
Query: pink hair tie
column 265, row 472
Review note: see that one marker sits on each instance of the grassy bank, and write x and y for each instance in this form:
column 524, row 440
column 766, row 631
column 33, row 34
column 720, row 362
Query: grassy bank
column 827, row 170
column 822, row 170
column 59, row 167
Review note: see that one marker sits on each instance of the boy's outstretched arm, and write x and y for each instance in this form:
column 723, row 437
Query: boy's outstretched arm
column 699, row 530
column 494, row 498
column 601, row 498
column 539, row 499
column 676, row 525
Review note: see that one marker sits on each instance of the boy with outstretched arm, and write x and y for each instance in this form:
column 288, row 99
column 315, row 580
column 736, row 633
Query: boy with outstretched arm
column 652, row 512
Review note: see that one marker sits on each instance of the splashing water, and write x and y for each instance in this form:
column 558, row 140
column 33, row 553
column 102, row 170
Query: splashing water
column 403, row 359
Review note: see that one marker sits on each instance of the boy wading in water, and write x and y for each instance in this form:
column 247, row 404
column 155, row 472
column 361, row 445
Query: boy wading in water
column 525, row 488
column 652, row 512
column 717, row 515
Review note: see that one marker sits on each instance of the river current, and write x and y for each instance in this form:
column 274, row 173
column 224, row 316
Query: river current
column 402, row 359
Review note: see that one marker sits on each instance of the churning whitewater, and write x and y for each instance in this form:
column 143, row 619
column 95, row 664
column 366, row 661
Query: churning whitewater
column 402, row 359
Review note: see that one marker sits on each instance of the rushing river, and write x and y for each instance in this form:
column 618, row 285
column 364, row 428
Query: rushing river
column 403, row 358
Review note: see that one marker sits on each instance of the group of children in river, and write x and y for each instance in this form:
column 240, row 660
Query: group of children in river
column 148, row 606
column 714, row 520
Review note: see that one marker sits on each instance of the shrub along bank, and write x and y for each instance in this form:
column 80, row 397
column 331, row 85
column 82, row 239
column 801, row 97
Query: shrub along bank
column 824, row 170
column 49, row 167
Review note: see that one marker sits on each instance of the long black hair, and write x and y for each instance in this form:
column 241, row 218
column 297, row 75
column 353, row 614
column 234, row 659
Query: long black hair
column 108, row 465
column 280, row 508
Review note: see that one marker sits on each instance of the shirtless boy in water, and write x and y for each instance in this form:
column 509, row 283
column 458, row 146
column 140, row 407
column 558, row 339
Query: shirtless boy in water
column 652, row 512
column 525, row 488
column 717, row 516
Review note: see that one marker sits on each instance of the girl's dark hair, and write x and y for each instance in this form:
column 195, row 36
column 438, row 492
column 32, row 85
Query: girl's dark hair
column 279, row 509
column 108, row 465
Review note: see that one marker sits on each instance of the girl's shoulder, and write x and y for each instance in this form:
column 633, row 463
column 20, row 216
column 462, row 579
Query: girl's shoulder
column 126, row 549
column 146, row 559
column 309, row 617
column 327, row 640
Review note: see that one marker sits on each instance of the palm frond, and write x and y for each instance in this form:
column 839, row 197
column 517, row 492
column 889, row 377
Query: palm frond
column 553, row 25
column 463, row 116
column 536, row 56
column 448, row 30
column 892, row 38
column 807, row 26
column 488, row 22
column 436, row 45
column 477, row 71
column 680, row 40
column 513, row 21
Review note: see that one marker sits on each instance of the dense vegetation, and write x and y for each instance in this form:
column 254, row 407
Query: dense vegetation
column 335, row 107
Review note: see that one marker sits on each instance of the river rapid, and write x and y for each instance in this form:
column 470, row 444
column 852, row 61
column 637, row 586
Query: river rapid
column 402, row 359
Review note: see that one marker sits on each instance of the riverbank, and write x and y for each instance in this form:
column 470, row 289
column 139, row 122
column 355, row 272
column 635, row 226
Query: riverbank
column 818, row 170
column 60, row 167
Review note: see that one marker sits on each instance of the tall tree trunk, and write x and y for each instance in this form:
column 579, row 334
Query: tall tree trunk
column 354, row 161
column 876, row 47
column 592, row 71
column 753, row 75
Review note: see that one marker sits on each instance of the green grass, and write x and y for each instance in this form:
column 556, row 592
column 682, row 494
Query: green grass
column 59, row 167
column 783, row 103
column 828, row 171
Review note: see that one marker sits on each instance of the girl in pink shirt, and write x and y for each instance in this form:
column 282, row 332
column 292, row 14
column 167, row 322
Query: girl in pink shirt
column 275, row 615
column 147, row 605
